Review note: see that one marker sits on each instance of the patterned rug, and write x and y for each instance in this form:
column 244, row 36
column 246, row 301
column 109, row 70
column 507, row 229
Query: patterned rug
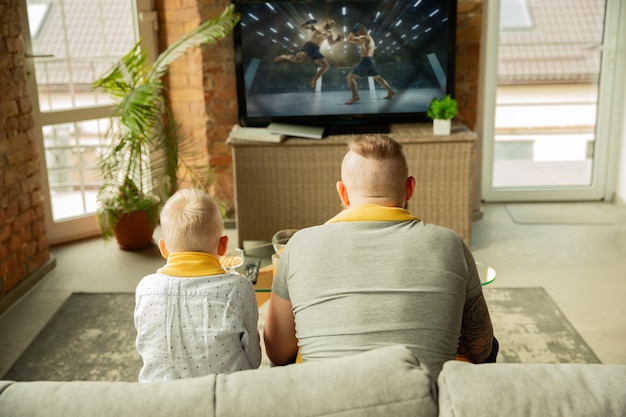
column 91, row 337
column 532, row 329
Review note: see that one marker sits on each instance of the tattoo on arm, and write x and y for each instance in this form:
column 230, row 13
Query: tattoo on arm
column 476, row 330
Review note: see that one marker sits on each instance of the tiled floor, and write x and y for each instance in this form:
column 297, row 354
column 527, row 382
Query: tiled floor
column 582, row 266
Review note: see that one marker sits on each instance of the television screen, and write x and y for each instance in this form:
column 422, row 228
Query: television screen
column 343, row 63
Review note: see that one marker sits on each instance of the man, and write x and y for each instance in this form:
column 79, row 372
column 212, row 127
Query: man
column 367, row 67
column 312, row 47
column 375, row 275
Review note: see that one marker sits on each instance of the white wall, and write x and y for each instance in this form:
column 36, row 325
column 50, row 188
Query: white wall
column 620, row 189
column 620, row 87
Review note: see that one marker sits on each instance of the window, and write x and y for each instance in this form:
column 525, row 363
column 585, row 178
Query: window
column 515, row 15
column 36, row 16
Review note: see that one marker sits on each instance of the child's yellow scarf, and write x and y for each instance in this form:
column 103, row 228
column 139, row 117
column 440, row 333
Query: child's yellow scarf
column 192, row 264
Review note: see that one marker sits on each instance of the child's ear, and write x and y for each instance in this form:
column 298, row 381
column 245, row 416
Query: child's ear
column 163, row 249
column 222, row 245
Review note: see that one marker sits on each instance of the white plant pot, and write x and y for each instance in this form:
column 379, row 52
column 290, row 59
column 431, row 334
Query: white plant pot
column 441, row 127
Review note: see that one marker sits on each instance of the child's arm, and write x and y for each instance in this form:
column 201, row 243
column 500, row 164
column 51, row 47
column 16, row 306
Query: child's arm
column 250, row 340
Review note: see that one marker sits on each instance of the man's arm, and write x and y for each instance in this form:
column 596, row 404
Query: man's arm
column 279, row 332
column 476, row 338
column 309, row 24
column 357, row 40
column 332, row 40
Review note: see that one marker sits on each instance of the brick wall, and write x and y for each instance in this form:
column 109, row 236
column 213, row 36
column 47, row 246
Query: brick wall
column 202, row 87
column 208, row 117
column 23, row 242
column 468, row 32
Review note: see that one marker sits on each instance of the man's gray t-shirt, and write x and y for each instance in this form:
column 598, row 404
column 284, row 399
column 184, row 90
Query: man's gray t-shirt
column 357, row 286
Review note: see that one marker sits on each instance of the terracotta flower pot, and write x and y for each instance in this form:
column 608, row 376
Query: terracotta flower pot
column 134, row 231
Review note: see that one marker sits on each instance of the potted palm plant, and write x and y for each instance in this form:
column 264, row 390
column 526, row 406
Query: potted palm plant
column 146, row 154
column 442, row 111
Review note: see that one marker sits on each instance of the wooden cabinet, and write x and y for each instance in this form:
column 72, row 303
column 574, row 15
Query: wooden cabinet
column 292, row 184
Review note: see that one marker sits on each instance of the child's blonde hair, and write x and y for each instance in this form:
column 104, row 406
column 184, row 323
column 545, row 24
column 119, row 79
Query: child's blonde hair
column 191, row 222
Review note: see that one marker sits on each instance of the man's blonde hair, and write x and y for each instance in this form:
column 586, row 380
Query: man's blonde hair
column 379, row 147
column 384, row 171
column 191, row 222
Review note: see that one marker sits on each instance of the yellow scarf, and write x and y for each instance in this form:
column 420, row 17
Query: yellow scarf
column 192, row 264
column 372, row 212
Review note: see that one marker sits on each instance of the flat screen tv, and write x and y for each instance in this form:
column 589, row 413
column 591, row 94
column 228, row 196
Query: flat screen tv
column 282, row 46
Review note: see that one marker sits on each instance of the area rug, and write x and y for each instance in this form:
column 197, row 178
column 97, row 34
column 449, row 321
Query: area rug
column 532, row 329
column 91, row 337
column 563, row 213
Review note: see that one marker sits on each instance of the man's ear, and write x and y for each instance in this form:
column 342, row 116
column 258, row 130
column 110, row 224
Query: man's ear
column 410, row 188
column 343, row 193
column 222, row 245
column 163, row 249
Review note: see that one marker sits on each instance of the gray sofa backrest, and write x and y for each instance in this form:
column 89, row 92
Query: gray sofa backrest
column 386, row 382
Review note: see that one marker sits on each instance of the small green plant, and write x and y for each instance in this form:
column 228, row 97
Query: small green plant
column 442, row 109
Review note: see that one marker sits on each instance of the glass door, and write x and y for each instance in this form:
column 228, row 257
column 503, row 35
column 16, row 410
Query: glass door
column 69, row 44
column 552, row 74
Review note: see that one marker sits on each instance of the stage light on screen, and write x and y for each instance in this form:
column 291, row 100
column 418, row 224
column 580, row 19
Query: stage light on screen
column 433, row 13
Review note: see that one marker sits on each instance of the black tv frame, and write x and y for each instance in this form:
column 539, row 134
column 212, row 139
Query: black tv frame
column 274, row 30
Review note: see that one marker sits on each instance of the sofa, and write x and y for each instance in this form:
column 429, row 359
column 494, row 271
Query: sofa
column 383, row 382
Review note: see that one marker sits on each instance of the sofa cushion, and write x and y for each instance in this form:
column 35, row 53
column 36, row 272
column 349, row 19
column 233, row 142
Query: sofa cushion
column 383, row 382
column 541, row 390
column 184, row 397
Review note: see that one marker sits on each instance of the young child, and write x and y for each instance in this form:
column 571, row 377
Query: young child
column 192, row 318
